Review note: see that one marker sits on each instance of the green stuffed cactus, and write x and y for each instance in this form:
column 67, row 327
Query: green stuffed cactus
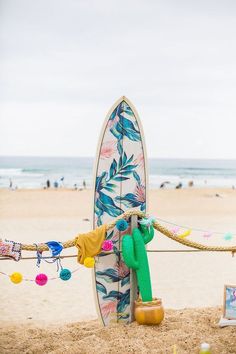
column 135, row 257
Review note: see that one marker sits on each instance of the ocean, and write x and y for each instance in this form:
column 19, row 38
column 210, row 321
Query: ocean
column 70, row 172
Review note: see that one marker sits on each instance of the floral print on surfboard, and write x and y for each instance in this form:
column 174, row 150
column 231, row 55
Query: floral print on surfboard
column 120, row 185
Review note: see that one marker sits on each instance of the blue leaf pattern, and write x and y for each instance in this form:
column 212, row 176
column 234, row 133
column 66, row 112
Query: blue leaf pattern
column 110, row 275
column 123, row 301
column 124, row 126
column 137, row 177
column 129, row 200
column 123, row 166
column 125, row 280
column 105, row 204
column 101, row 288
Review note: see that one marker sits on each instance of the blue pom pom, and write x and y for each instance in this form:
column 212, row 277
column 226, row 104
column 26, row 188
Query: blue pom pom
column 65, row 274
column 122, row 225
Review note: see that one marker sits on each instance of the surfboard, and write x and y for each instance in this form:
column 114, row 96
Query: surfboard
column 120, row 183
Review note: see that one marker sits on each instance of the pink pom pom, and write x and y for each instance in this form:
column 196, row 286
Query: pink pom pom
column 107, row 245
column 175, row 229
column 41, row 279
column 207, row 234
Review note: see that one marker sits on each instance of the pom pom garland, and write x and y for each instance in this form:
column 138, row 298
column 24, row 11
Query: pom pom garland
column 175, row 230
column 122, row 225
column 16, row 277
column 207, row 234
column 89, row 262
column 228, row 236
column 185, row 234
column 107, row 245
column 41, row 279
column 65, row 274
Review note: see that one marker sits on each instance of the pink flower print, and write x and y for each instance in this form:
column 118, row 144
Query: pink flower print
column 113, row 122
column 140, row 193
column 108, row 308
column 139, row 160
column 108, row 149
column 115, row 236
column 122, row 269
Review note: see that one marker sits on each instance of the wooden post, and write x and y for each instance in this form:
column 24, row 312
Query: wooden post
column 133, row 279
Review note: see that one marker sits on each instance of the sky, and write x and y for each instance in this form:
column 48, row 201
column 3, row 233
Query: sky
column 64, row 63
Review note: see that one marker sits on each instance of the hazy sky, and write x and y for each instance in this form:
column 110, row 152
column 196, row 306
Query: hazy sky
column 64, row 63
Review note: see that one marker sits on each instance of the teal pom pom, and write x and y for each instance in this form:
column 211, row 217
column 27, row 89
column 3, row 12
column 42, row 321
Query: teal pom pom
column 228, row 236
column 65, row 274
column 122, row 225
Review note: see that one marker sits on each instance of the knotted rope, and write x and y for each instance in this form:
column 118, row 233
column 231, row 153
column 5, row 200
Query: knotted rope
column 163, row 230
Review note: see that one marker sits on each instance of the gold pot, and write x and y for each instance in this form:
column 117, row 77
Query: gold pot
column 149, row 313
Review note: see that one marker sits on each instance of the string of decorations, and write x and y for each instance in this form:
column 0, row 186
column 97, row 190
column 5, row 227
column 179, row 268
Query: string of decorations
column 141, row 215
column 107, row 253
column 227, row 236
column 41, row 278
column 95, row 243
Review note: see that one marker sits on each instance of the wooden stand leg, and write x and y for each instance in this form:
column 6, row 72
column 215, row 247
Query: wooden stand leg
column 133, row 280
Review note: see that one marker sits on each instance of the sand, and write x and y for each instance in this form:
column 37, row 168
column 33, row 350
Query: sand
column 185, row 329
column 61, row 316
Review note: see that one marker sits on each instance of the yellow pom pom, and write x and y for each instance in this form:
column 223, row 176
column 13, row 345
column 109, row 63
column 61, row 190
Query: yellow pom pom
column 16, row 278
column 185, row 234
column 89, row 262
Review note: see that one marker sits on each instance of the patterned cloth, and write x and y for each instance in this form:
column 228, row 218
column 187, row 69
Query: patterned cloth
column 10, row 249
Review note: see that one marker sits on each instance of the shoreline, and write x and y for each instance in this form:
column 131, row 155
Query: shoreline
column 90, row 188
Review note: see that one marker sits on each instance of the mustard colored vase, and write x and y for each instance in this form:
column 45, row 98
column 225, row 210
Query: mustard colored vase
column 149, row 312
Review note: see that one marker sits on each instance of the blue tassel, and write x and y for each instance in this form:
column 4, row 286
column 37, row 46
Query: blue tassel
column 55, row 247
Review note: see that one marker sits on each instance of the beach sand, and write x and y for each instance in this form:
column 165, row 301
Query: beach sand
column 62, row 316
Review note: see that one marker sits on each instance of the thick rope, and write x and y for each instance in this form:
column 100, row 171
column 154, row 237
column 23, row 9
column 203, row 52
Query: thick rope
column 71, row 243
column 192, row 244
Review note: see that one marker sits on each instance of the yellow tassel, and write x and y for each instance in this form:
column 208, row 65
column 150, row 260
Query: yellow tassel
column 185, row 234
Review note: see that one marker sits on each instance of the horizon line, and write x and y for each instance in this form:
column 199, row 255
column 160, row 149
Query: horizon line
column 93, row 157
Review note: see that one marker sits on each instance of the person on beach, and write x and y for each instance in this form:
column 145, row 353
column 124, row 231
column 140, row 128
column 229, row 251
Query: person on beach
column 179, row 186
column 163, row 184
column 84, row 184
column 62, row 181
column 10, row 183
column 55, row 184
column 48, row 184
